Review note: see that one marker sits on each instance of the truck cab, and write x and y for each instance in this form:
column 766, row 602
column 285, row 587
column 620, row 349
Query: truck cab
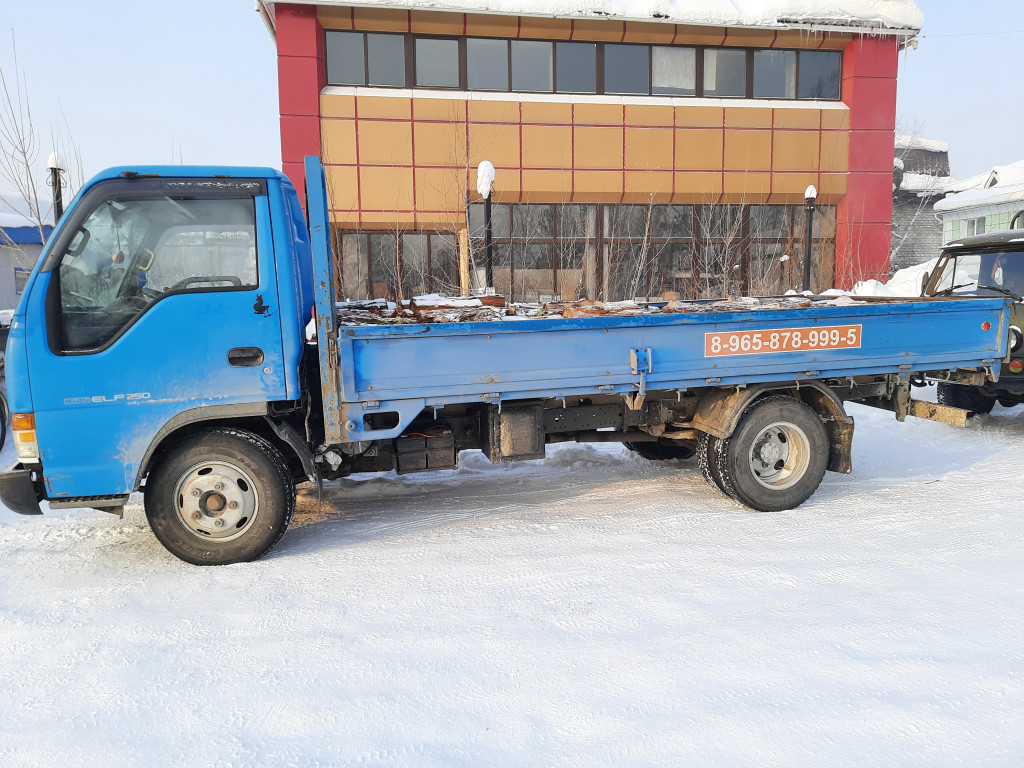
column 986, row 265
column 167, row 297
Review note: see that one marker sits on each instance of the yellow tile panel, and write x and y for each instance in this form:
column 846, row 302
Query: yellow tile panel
column 748, row 150
column 836, row 41
column 544, row 28
column 598, row 147
column 798, row 118
column 697, row 188
column 334, row 18
column 588, row 29
column 436, row 23
column 383, row 142
column 547, row 147
column 644, row 115
column 342, row 188
column 597, row 186
column 831, row 187
column 746, row 187
column 835, row 119
column 381, row 19
column 835, row 151
column 598, row 114
column 494, row 111
column 699, row 149
column 749, row 117
column 795, row 151
column 497, row 143
column 649, row 149
column 481, row 25
column 648, row 187
column 545, row 112
column 788, row 188
column 386, row 189
column 547, row 186
column 337, row 106
column 699, row 35
column 646, row 32
column 700, row 117
column 443, row 221
column 439, row 189
column 345, row 220
column 392, row 108
column 440, row 144
column 753, row 38
column 339, row 141
column 448, row 110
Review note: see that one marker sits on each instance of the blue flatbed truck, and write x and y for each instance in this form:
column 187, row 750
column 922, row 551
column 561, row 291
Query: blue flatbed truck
column 160, row 345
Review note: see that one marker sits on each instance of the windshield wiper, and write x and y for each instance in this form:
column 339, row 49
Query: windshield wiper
column 948, row 291
column 1004, row 291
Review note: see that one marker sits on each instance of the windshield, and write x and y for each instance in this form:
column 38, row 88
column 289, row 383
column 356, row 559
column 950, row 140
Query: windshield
column 981, row 273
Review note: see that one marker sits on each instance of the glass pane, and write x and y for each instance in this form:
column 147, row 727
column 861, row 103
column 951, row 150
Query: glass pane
column 725, row 72
column 625, row 221
column 487, row 64
column 353, row 277
column 625, row 69
column 775, row 74
column 819, row 74
column 576, row 222
column 386, row 55
column 499, row 220
column 769, row 221
column 628, row 267
column 577, row 67
column 414, row 266
column 534, row 273
column 675, row 221
column 383, row 265
column 531, row 65
column 532, row 222
column 718, row 270
column 345, row 62
column 131, row 252
column 672, row 270
column 674, row 70
column 444, row 265
column 721, row 222
column 437, row 63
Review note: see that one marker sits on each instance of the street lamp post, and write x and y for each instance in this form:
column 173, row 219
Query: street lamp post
column 484, row 184
column 54, row 167
column 810, row 195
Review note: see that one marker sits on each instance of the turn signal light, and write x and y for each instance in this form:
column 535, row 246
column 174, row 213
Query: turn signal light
column 24, row 428
column 1016, row 366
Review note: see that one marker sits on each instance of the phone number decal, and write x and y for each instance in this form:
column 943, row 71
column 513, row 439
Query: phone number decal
column 783, row 340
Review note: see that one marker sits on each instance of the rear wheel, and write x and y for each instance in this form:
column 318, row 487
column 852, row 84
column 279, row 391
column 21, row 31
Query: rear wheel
column 708, row 457
column 660, row 451
column 964, row 396
column 221, row 496
column 776, row 457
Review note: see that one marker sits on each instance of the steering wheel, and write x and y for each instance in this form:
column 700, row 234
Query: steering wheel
column 234, row 280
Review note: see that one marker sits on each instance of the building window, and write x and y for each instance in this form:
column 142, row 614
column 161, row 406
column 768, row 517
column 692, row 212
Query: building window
column 819, row 74
column 543, row 66
column 487, row 64
column 626, row 69
column 725, row 72
column 774, row 74
column 970, row 227
column 673, row 71
column 532, row 66
column 437, row 63
column 576, row 67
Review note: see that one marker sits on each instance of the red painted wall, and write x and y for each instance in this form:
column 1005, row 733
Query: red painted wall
column 864, row 216
column 301, row 74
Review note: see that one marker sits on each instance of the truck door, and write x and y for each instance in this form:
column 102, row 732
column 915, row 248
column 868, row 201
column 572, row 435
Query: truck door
column 159, row 297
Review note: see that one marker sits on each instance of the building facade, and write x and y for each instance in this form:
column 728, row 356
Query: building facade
column 984, row 203
column 634, row 156
column 21, row 242
column 920, row 178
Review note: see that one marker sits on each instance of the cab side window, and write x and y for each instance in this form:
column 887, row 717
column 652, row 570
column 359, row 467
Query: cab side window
column 132, row 250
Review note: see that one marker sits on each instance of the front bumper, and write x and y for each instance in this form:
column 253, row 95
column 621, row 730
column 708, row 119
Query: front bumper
column 18, row 491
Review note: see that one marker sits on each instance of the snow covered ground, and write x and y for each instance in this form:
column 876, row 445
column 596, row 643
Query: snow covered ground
column 593, row 609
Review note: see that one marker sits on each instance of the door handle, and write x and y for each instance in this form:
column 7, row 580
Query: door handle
column 245, row 357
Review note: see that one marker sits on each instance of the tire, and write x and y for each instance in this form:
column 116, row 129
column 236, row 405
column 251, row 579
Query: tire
column 660, row 451
column 5, row 420
column 776, row 457
column 964, row 396
column 221, row 496
column 708, row 448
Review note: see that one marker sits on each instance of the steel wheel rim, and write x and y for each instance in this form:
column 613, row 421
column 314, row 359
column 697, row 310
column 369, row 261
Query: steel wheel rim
column 217, row 501
column 779, row 455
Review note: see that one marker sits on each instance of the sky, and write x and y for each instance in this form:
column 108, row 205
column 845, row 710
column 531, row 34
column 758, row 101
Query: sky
column 195, row 81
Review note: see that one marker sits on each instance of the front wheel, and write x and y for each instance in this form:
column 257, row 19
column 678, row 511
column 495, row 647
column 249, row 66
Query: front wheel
column 221, row 496
column 776, row 457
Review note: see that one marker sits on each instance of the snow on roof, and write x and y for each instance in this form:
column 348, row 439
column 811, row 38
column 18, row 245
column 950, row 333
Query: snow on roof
column 878, row 16
column 925, row 183
column 1003, row 184
column 905, row 141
